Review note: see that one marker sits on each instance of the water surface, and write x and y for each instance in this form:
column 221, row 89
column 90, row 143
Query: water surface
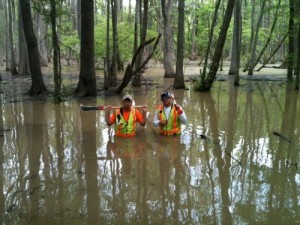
column 61, row 165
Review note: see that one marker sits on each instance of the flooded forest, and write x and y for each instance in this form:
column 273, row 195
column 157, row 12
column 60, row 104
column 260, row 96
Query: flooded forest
column 233, row 67
column 236, row 162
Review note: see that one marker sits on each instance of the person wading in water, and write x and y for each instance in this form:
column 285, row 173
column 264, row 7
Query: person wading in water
column 169, row 116
column 125, row 118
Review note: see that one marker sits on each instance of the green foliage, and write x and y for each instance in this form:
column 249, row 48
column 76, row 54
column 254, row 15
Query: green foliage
column 62, row 94
column 125, row 38
column 70, row 41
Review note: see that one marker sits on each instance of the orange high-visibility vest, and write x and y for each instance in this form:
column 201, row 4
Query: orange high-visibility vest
column 173, row 126
column 123, row 128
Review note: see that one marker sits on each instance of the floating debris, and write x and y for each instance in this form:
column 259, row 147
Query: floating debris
column 281, row 136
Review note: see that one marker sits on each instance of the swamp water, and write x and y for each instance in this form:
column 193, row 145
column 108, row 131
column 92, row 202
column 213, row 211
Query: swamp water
column 236, row 162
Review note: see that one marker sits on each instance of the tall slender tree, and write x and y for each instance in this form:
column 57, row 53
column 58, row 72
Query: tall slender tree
column 168, row 36
column 236, row 40
column 23, row 53
column 114, row 17
column 38, row 85
column 205, row 85
column 143, row 34
column 87, row 76
column 13, row 64
column 298, row 61
column 291, row 40
column 237, row 58
column 107, row 71
column 56, row 51
column 210, row 38
column 255, row 40
column 179, row 77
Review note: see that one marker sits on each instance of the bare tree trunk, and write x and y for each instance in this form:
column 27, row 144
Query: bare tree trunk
column 56, row 52
column 78, row 17
column 41, row 31
column 207, row 84
column 23, row 52
column 87, row 76
column 269, row 37
column 239, row 42
column 179, row 78
column 113, row 78
column 13, row 64
column 211, row 34
column 253, row 4
column 130, row 69
column 253, row 50
column 291, row 39
column 235, row 39
column 107, row 65
column 7, row 58
column 38, row 85
column 168, row 47
column 273, row 53
column 194, row 33
column 143, row 34
column 298, row 61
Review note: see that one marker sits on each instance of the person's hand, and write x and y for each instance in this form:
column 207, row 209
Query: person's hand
column 178, row 108
column 163, row 122
column 108, row 108
column 144, row 108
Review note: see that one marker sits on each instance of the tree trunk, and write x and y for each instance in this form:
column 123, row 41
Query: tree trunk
column 38, row 85
column 210, row 38
column 7, row 58
column 298, row 61
column 87, row 76
column 56, row 52
column 113, row 78
column 78, row 17
column 291, row 39
column 273, row 53
column 23, row 52
column 168, row 47
column 136, row 26
column 207, row 84
column 131, row 70
column 269, row 37
column 239, row 42
column 107, row 65
column 41, row 31
column 179, row 78
column 236, row 44
column 194, row 33
column 143, row 31
column 253, row 50
column 13, row 64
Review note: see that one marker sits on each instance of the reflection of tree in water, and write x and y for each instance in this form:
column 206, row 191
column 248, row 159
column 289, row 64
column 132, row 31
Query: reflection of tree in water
column 2, row 200
column 171, row 171
column 223, row 165
column 88, row 147
column 129, row 178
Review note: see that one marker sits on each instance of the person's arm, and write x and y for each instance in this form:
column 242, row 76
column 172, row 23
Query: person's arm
column 108, row 117
column 181, row 113
column 142, row 116
column 156, row 119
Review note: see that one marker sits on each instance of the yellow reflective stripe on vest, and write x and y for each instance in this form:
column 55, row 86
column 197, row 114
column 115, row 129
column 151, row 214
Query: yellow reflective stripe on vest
column 173, row 125
column 123, row 128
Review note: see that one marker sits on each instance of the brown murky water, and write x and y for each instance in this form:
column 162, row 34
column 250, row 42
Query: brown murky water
column 60, row 165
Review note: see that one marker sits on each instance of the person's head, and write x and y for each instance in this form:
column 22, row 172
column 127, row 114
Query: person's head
column 166, row 98
column 127, row 101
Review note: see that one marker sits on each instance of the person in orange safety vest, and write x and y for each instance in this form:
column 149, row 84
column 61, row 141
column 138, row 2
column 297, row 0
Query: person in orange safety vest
column 169, row 116
column 125, row 118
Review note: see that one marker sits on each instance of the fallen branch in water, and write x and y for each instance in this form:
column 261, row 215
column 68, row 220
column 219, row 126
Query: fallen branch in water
column 281, row 136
